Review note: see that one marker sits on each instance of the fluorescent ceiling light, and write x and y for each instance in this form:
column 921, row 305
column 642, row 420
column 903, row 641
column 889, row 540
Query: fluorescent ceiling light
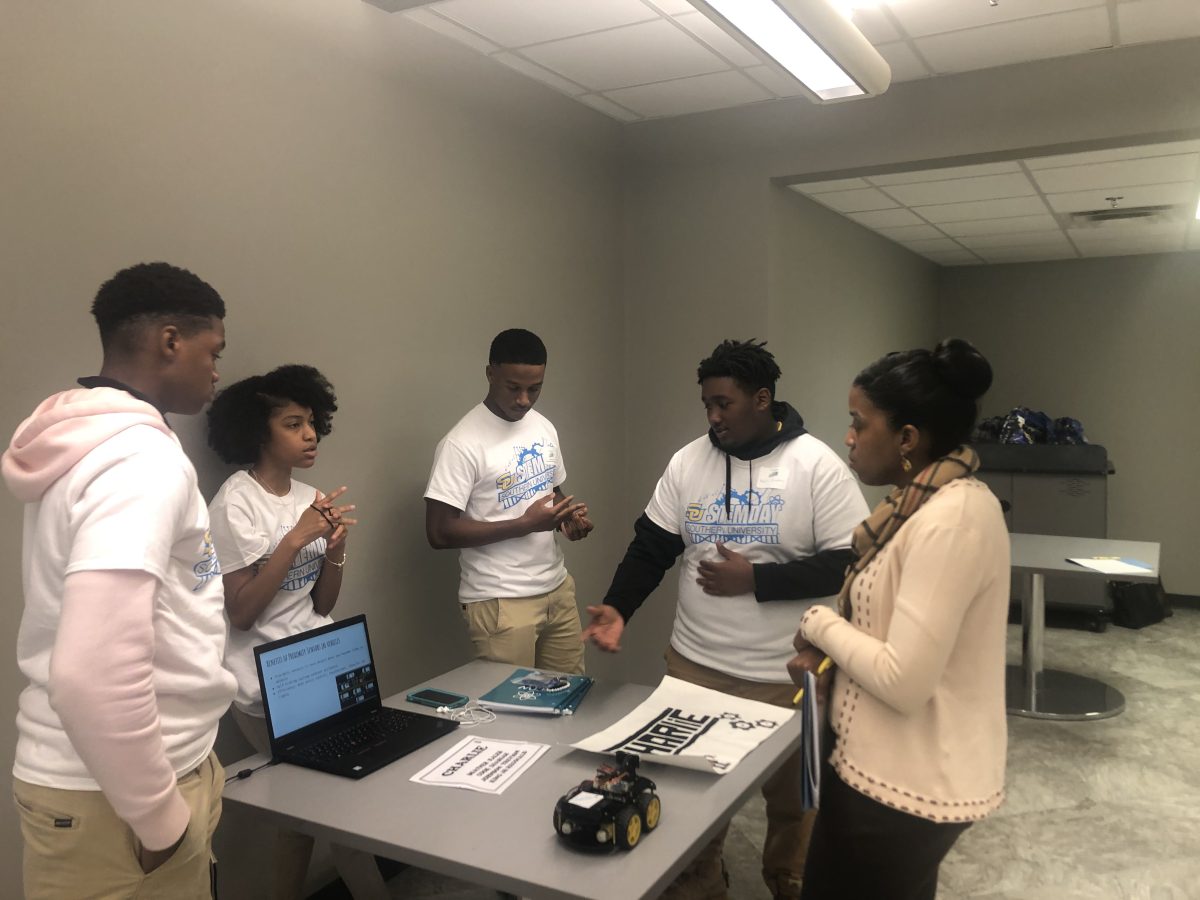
column 810, row 39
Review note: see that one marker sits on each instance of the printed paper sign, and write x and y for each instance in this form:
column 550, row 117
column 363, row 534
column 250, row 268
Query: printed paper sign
column 682, row 724
column 479, row 764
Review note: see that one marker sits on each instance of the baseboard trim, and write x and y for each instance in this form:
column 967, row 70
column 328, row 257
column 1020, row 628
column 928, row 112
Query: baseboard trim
column 1184, row 601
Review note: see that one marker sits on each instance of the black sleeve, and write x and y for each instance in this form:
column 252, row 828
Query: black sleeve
column 651, row 553
column 802, row 579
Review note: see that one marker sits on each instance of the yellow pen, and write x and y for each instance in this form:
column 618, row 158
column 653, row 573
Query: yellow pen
column 821, row 670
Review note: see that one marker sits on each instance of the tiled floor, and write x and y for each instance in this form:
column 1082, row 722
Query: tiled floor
column 1102, row 810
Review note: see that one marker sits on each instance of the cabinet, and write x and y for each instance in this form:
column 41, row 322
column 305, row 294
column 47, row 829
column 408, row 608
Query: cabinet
column 1059, row 490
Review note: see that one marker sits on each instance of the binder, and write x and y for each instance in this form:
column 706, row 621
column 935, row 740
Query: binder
column 539, row 692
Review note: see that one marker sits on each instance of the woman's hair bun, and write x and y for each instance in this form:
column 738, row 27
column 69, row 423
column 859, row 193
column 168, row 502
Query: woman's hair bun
column 963, row 368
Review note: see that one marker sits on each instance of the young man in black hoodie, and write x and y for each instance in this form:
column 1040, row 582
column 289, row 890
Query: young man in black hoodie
column 762, row 513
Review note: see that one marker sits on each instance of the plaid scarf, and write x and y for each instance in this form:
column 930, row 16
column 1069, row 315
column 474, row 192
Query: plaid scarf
column 896, row 509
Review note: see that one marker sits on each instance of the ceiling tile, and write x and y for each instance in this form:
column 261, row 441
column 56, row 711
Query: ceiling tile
column 1131, row 248
column 1155, row 170
column 1157, row 20
column 396, row 5
column 671, row 7
column 940, row 245
column 622, row 57
column 517, row 23
column 821, row 187
column 886, row 218
column 775, row 80
column 445, row 27
column 1172, row 148
column 960, row 190
column 533, row 70
column 1008, row 225
column 903, row 61
column 688, row 95
column 983, row 242
column 606, row 106
column 856, row 201
column 1026, row 254
column 911, row 232
column 718, row 39
column 875, row 26
column 943, row 173
column 1043, row 37
column 983, row 209
column 959, row 258
column 924, row 17
column 1181, row 193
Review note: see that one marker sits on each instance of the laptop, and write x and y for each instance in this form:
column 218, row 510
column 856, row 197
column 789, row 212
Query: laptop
column 322, row 702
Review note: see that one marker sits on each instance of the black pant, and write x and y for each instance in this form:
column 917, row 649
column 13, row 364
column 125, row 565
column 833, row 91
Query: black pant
column 864, row 850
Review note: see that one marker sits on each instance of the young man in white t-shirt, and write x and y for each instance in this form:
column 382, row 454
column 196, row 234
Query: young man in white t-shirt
column 495, row 495
column 762, row 513
column 123, row 631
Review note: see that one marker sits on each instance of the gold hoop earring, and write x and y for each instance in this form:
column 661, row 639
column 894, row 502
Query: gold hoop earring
column 905, row 463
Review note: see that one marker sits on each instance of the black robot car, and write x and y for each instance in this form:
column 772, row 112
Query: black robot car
column 614, row 809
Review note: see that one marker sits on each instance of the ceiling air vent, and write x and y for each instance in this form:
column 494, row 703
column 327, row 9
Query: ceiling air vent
column 1161, row 213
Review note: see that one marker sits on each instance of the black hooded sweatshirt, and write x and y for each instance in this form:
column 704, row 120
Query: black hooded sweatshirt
column 654, row 550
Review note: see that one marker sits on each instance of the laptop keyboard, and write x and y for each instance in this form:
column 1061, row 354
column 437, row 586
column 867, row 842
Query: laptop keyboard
column 358, row 737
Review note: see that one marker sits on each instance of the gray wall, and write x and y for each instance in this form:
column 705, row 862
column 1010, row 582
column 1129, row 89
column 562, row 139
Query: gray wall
column 840, row 297
column 713, row 250
column 1111, row 342
column 368, row 198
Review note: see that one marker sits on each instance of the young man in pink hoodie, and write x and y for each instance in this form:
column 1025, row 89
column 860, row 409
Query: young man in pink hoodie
column 123, row 630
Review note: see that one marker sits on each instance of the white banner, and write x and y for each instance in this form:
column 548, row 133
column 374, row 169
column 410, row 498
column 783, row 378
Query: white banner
column 682, row 724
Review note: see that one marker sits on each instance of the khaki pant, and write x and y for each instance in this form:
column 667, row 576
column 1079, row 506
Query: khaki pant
column 541, row 632
column 789, row 826
column 77, row 847
column 293, row 850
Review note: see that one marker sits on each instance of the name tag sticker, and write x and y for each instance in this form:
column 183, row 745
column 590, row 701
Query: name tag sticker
column 586, row 799
column 773, row 477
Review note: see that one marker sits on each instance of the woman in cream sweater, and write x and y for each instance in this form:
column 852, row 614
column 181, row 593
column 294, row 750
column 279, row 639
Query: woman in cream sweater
column 917, row 702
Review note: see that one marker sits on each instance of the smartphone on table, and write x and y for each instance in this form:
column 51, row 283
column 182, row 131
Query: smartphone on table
column 435, row 698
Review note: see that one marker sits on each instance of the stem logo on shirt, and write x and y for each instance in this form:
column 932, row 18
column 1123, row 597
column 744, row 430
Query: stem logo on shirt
column 209, row 566
column 530, row 471
column 753, row 518
column 306, row 567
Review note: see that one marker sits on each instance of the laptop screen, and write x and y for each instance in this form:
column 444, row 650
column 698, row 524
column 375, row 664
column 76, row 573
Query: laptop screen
column 313, row 677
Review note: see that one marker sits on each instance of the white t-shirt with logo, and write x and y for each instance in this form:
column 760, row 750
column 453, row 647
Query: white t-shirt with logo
column 248, row 523
column 132, row 503
column 492, row 470
column 794, row 502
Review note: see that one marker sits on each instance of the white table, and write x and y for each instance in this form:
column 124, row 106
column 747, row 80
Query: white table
column 508, row 842
column 1032, row 689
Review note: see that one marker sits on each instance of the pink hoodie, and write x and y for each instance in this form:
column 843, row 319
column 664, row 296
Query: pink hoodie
column 63, row 430
column 102, row 668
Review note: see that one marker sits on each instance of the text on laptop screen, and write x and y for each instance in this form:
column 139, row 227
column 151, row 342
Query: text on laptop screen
column 311, row 680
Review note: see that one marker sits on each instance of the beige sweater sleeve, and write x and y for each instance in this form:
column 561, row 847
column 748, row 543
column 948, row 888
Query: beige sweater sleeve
column 940, row 576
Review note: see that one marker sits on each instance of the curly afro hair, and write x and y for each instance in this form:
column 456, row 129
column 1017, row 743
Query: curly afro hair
column 239, row 418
